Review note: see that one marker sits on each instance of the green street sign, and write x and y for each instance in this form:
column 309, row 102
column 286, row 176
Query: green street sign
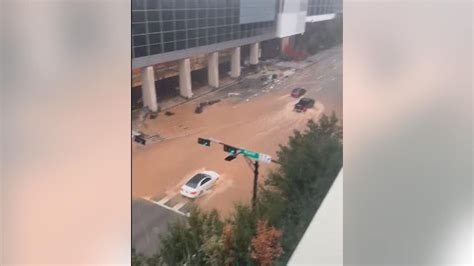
column 251, row 154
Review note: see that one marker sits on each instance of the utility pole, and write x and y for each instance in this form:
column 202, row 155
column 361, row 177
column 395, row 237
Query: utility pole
column 234, row 152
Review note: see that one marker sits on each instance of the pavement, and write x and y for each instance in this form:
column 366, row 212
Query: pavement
column 250, row 115
column 149, row 220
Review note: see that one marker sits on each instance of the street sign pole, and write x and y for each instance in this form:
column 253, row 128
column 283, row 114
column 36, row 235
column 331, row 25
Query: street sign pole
column 255, row 186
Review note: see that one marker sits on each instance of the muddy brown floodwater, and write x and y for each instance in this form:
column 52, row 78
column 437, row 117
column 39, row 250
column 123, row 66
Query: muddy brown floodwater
column 260, row 124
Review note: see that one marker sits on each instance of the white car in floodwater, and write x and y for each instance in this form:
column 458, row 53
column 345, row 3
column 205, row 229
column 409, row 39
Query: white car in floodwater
column 199, row 183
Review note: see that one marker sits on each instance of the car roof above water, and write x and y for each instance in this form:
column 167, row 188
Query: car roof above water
column 306, row 100
column 196, row 179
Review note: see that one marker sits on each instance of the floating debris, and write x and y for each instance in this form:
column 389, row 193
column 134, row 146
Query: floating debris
column 168, row 113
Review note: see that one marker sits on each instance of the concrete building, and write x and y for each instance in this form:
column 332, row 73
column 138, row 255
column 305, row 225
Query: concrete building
column 173, row 39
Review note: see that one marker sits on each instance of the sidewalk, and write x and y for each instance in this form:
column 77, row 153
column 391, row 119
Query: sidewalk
column 198, row 92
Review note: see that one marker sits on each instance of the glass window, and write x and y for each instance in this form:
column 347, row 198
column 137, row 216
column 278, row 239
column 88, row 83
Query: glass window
column 168, row 37
column 155, row 49
column 139, row 40
column 191, row 13
column 213, row 3
column 167, row 4
column 190, row 24
column 138, row 4
column 202, row 41
column 138, row 28
column 167, row 15
column 192, row 34
column 211, row 31
column 202, row 33
column 212, row 39
column 202, row 23
column 191, row 3
column 191, row 43
column 169, row 47
column 180, row 45
column 202, row 13
column 152, row 4
column 179, row 14
column 154, row 38
column 140, row 51
column 154, row 27
column 181, row 35
column 180, row 25
column 168, row 26
column 212, row 13
column 153, row 15
column 138, row 16
column 180, row 4
column 211, row 22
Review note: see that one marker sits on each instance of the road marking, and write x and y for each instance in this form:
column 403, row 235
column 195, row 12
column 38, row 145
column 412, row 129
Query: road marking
column 179, row 205
column 165, row 199
column 166, row 207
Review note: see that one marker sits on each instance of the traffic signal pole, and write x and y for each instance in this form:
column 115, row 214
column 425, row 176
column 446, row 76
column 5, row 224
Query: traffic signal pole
column 234, row 152
column 255, row 185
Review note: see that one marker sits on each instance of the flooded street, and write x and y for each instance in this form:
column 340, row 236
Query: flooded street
column 259, row 122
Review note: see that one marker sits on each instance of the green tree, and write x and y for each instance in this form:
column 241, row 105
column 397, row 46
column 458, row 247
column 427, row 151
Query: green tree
column 243, row 222
column 138, row 259
column 309, row 164
column 192, row 242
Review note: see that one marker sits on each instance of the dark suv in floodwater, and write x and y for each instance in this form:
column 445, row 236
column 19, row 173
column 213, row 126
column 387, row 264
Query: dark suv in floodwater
column 303, row 104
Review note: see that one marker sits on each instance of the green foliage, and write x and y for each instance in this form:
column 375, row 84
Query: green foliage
column 243, row 224
column 138, row 259
column 195, row 242
column 309, row 164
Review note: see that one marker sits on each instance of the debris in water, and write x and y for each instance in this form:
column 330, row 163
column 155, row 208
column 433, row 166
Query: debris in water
column 213, row 102
column 153, row 115
column 168, row 113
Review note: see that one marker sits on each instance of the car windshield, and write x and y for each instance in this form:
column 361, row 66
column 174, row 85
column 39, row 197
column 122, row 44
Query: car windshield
column 305, row 101
column 194, row 181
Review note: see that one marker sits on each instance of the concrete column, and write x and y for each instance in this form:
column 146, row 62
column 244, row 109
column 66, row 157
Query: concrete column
column 235, row 63
column 213, row 69
column 148, row 88
column 254, row 53
column 185, row 88
column 285, row 41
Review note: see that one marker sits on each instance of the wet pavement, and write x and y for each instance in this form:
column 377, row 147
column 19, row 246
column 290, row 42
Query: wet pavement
column 250, row 115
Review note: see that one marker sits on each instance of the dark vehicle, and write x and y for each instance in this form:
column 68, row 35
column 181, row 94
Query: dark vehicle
column 297, row 92
column 304, row 104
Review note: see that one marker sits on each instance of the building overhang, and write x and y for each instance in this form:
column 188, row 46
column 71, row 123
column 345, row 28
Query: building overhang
column 320, row 17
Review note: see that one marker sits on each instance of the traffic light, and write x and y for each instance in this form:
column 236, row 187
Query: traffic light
column 204, row 142
column 230, row 149
column 230, row 157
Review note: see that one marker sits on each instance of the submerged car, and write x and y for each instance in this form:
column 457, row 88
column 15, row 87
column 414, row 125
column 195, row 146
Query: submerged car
column 297, row 92
column 303, row 104
column 199, row 183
